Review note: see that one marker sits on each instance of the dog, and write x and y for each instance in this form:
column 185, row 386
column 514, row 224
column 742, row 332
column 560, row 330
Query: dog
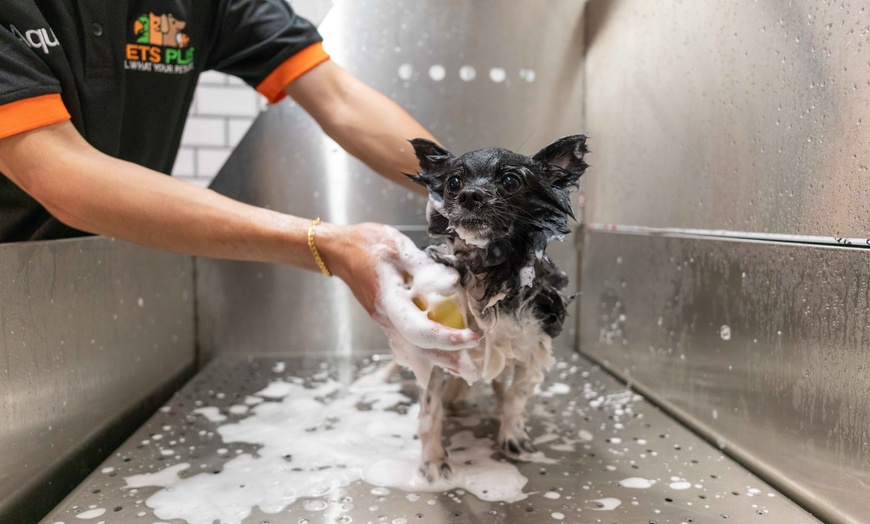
column 495, row 211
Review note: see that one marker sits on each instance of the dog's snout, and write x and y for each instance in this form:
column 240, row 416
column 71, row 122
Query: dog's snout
column 470, row 197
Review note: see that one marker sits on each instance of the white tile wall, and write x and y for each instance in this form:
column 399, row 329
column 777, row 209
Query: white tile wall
column 223, row 110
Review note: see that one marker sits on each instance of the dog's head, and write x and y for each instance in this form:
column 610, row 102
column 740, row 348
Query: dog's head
column 494, row 194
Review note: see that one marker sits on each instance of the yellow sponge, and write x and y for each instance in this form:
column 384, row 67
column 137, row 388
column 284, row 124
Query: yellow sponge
column 445, row 311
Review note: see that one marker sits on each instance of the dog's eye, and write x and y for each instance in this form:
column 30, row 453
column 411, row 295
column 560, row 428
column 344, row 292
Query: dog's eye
column 511, row 182
column 454, row 183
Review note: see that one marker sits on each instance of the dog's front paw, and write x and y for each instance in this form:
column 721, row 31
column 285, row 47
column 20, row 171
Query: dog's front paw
column 438, row 469
column 517, row 447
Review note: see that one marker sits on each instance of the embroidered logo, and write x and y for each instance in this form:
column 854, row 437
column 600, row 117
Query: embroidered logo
column 160, row 45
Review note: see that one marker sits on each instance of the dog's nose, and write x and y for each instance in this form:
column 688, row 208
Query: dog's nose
column 470, row 197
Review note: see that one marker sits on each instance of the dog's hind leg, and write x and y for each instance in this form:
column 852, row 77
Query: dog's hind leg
column 454, row 395
column 436, row 464
column 513, row 439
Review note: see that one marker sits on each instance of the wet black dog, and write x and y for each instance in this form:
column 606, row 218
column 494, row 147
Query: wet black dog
column 495, row 212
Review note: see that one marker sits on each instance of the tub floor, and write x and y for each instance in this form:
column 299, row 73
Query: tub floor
column 603, row 437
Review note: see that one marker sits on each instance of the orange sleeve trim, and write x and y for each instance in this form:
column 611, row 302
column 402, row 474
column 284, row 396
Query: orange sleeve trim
column 291, row 69
column 31, row 113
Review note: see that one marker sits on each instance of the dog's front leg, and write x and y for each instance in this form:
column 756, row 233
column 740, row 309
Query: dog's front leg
column 436, row 464
column 512, row 436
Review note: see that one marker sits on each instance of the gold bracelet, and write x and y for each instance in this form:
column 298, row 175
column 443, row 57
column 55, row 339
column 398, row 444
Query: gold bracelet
column 313, row 248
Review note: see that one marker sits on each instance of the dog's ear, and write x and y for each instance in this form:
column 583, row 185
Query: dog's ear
column 431, row 155
column 563, row 160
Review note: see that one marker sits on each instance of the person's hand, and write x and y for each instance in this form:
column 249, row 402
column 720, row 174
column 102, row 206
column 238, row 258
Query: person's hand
column 380, row 265
column 375, row 261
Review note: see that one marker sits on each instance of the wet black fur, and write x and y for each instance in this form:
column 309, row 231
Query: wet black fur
column 519, row 224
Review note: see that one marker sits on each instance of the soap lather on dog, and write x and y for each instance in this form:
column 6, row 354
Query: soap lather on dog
column 495, row 212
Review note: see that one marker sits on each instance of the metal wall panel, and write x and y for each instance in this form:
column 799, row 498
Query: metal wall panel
column 402, row 49
column 761, row 347
column 744, row 116
column 92, row 333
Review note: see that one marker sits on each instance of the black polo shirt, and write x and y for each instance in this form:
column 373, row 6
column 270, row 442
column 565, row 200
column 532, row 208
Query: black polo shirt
column 125, row 72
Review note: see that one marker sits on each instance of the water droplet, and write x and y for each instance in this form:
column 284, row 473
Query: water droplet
column 497, row 74
column 467, row 73
column 437, row 72
column 725, row 332
column 406, row 71
column 528, row 75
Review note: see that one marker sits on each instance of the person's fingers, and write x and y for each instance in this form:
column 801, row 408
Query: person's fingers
column 407, row 276
column 415, row 326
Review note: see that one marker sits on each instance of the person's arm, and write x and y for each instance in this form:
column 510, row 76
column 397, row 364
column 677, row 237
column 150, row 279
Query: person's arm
column 94, row 192
column 364, row 122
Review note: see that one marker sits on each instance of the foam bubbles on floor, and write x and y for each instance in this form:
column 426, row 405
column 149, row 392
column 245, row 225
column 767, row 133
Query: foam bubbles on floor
column 315, row 440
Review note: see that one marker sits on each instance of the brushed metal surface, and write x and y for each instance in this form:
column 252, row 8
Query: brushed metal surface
column 630, row 438
column 761, row 347
column 286, row 163
column 742, row 116
column 92, row 331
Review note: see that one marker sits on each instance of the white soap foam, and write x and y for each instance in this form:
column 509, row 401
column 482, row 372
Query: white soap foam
column 559, row 388
column 162, row 478
column 552, row 495
column 210, row 413
column 527, row 275
column 252, row 400
column 409, row 329
column 91, row 513
column 680, row 485
column 556, row 388
column 277, row 389
column 279, row 367
column 315, row 441
column 476, row 471
column 585, row 435
column 238, row 409
column 637, row 483
column 606, row 504
column 557, row 515
column 478, row 239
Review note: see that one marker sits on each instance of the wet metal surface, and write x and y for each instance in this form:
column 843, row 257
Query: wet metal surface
column 91, row 332
column 741, row 116
column 498, row 89
column 762, row 347
column 614, row 435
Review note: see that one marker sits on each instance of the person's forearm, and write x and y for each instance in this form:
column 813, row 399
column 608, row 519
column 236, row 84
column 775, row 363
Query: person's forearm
column 100, row 194
column 364, row 122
